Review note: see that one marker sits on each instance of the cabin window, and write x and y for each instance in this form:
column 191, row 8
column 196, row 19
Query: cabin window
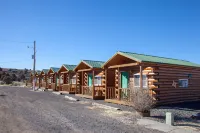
column 61, row 80
column 73, row 80
column 97, row 80
column 137, row 80
column 183, row 83
column 49, row 80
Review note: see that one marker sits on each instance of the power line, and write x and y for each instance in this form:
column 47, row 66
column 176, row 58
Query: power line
column 14, row 41
column 13, row 61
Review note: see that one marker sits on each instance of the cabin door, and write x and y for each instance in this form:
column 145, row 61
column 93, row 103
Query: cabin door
column 124, row 79
column 89, row 79
column 124, row 84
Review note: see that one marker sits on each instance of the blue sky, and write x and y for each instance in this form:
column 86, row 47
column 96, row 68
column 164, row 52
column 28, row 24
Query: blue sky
column 67, row 31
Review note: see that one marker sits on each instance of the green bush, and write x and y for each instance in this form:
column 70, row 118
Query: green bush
column 15, row 83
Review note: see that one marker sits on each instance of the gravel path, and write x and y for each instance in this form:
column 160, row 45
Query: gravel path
column 24, row 111
column 182, row 114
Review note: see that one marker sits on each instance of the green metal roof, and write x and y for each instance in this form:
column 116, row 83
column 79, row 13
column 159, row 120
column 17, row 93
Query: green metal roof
column 45, row 70
column 157, row 59
column 69, row 67
column 94, row 64
column 55, row 69
column 38, row 71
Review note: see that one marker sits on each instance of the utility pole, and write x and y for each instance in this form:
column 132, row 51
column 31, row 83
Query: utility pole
column 34, row 62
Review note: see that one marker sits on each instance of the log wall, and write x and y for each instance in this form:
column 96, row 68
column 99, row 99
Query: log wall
column 165, row 93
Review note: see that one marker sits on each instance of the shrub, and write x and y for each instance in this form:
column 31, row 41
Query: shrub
column 142, row 101
column 17, row 83
column 7, row 80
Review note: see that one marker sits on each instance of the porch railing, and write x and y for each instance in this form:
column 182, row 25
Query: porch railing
column 98, row 90
column 78, row 89
column 69, row 87
column 87, row 90
column 66, row 87
column 53, row 86
column 49, row 86
column 72, row 88
column 110, row 93
column 124, row 94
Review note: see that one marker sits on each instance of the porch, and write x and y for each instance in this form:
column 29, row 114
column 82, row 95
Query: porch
column 124, row 96
column 68, row 88
column 91, row 92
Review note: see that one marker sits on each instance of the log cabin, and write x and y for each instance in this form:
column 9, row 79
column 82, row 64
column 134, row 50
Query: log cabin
column 90, row 80
column 44, row 78
column 53, row 78
column 67, row 78
column 38, row 78
column 167, row 80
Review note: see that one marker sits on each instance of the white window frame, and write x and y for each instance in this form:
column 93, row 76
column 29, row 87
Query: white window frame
column 73, row 80
column 98, row 80
column 49, row 80
column 142, row 81
column 61, row 79
column 183, row 80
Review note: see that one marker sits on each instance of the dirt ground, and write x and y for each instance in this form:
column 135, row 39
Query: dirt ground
column 25, row 111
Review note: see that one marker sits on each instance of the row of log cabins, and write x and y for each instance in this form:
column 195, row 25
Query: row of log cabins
column 167, row 80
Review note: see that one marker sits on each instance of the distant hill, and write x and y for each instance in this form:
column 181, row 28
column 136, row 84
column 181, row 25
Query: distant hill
column 14, row 74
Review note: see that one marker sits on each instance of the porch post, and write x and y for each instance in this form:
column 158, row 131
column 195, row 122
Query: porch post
column 141, row 77
column 106, row 83
column 119, row 83
column 93, row 88
column 82, row 82
column 76, row 83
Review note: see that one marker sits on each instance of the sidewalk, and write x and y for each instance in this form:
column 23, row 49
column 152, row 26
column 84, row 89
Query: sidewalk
column 163, row 127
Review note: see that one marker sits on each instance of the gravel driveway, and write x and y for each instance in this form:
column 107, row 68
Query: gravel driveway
column 24, row 111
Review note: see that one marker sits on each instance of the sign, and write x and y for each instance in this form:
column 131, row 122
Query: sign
column 174, row 84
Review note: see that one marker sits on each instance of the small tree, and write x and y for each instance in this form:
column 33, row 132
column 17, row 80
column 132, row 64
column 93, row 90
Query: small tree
column 14, row 77
column 142, row 101
column 7, row 79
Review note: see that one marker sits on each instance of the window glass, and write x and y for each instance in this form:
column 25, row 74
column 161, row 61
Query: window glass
column 145, row 81
column 183, row 83
column 97, row 80
column 137, row 81
column 61, row 80
column 49, row 80
column 73, row 80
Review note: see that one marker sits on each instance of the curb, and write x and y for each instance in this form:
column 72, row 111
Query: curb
column 57, row 93
column 105, row 106
column 41, row 90
column 71, row 98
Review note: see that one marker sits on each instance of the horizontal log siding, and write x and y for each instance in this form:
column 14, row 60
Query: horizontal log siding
column 165, row 93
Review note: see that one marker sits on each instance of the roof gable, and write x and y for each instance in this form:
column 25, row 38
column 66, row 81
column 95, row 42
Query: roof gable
column 84, row 64
column 69, row 67
column 53, row 69
column 94, row 64
column 45, row 70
